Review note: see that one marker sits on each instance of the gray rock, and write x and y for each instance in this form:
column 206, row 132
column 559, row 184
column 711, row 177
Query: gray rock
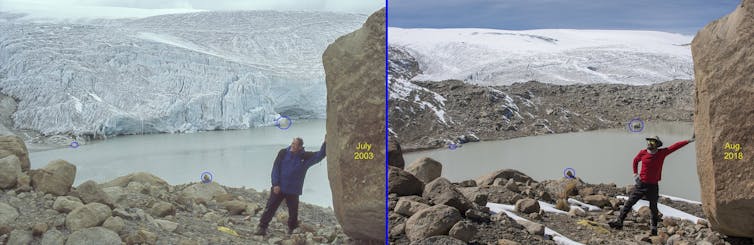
column 20, row 237
column 65, row 204
column 433, row 221
column 358, row 186
column 115, row 224
column 439, row 240
column 94, row 235
column 532, row 227
column 407, row 208
column 597, row 200
column 10, row 168
column 511, row 185
column 505, row 174
column 441, row 191
column 162, row 209
column 527, row 206
column 14, row 145
column 201, row 192
column 56, row 178
column 166, row 225
column 463, row 230
column 90, row 192
column 478, row 215
column 89, row 215
column 235, row 207
column 141, row 236
column 8, row 213
column 403, row 183
column 139, row 177
column 425, row 169
column 467, row 183
column 53, row 237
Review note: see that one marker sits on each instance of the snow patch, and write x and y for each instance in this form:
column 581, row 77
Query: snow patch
column 665, row 210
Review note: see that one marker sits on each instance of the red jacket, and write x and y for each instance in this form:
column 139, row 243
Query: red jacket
column 651, row 164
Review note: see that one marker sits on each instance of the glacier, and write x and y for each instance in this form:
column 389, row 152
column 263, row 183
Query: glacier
column 557, row 56
column 167, row 73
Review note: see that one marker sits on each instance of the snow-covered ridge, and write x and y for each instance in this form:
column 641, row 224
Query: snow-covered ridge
column 167, row 73
column 560, row 56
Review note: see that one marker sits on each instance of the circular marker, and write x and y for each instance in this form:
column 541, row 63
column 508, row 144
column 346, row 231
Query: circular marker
column 635, row 125
column 283, row 122
column 206, row 177
column 452, row 146
column 569, row 173
column 74, row 145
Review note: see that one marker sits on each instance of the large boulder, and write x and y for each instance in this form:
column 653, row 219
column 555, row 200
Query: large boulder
column 8, row 214
column 433, row 221
column 723, row 121
column 10, row 168
column 527, row 206
column 141, row 177
column 90, row 192
column 201, row 192
column 14, row 145
column 56, row 178
column 403, row 183
column 441, row 191
column 94, row 235
column 425, row 169
column 506, row 174
column 408, row 208
column 90, row 215
column 355, row 78
column 65, row 204
column 394, row 153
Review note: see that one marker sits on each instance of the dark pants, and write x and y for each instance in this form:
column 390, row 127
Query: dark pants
column 272, row 206
column 651, row 192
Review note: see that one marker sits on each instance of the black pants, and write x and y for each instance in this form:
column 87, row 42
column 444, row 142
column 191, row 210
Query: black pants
column 651, row 192
column 272, row 206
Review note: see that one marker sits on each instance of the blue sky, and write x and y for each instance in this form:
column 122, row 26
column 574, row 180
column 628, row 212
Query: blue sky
column 679, row 16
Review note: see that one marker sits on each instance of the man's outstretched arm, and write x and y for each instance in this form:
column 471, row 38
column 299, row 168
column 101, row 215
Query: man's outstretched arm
column 678, row 145
column 318, row 156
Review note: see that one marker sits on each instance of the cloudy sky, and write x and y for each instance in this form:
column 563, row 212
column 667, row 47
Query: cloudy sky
column 679, row 16
column 75, row 9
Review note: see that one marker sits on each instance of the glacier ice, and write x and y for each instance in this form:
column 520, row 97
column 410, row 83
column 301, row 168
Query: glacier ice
column 559, row 56
column 167, row 73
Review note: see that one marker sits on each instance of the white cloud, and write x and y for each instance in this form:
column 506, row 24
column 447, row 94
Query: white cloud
column 84, row 9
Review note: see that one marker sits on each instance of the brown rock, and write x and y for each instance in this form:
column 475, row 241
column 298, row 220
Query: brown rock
column 597, row 200
column 506, row 242
column 56, row 178
column 355, row 78
column 527, row 206
column 425, row 169
column 505, row 174
column 39, row 229
column 90, row 192
column 722, row 53
column 14, row 145
column 235, row 207
column 403, row 183
column 441, row 191
column 162, row 209
column 394, row 153
column 10, row 168
column 433, row 221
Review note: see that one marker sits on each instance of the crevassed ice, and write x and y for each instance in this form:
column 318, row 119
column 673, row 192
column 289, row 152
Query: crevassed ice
column 168, row 73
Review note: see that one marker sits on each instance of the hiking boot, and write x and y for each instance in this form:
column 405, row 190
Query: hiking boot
column 616, row 224
column 653, row 231
column 261, row 232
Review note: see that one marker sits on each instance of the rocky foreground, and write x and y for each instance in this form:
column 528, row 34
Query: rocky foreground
column 425, row 208
column 40, row 206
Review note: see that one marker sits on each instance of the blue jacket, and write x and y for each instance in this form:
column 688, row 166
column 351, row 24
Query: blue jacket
column 289, row 169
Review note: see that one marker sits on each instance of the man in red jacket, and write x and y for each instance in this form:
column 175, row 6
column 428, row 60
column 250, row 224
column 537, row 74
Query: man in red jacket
column 647, row 180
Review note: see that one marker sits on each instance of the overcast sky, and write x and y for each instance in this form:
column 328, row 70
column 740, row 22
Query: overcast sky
column 75, row 9
column 679, row 16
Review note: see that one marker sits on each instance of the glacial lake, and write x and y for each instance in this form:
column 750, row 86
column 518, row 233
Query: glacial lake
column 235, row 157
column 602, row 156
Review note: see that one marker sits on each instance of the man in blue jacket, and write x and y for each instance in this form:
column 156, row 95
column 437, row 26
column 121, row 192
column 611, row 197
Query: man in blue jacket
column 288, row 174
